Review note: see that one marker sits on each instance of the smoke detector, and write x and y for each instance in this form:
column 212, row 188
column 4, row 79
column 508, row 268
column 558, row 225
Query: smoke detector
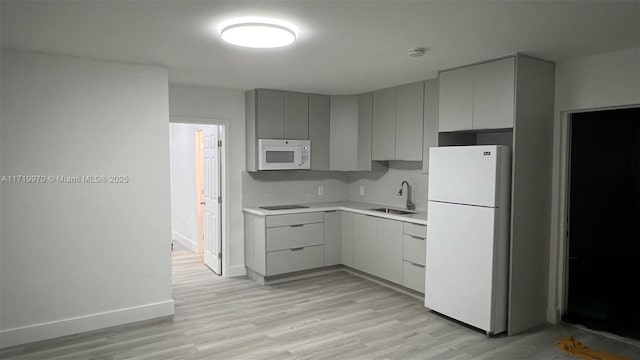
column 417, row 52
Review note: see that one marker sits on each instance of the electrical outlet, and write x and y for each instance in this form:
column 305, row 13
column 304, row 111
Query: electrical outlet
column 361, row 190
column 320, row 190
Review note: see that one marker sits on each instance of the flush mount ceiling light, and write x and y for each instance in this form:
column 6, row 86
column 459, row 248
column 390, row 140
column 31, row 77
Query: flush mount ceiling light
column 258, row 34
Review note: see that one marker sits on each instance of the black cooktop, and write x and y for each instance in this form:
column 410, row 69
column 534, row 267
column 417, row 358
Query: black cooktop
column 284, row 207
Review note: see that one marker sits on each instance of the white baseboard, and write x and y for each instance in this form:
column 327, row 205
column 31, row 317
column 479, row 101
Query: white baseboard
column 53, row 329
column 235, row 271
column 188, row 243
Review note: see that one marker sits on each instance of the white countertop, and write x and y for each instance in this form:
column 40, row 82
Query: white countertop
column 419, row 217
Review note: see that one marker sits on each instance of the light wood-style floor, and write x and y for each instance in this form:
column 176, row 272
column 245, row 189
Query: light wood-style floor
column 332, row 316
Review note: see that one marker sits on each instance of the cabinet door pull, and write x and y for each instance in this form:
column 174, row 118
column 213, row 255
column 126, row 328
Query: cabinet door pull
column 297, row 225
column 417, row 265
column 297, row 249
column 416, row 237
column 330, row 211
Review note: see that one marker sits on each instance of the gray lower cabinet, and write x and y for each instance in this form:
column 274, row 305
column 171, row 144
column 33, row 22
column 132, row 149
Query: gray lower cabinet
column 281, row 244
column 365, row 252
column 332, row 237
column 347, row 240
column 413, row 276
column 389, row 249
column 378, row 247
column 414, row 256
column 389, row 238
column 294, row 236
column 296, row 259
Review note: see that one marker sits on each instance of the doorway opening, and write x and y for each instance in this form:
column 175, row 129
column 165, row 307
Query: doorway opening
column 197, row 159
column 602, row 289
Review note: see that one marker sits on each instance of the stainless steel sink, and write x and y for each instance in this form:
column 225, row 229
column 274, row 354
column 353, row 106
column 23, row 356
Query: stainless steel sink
column 393, row 211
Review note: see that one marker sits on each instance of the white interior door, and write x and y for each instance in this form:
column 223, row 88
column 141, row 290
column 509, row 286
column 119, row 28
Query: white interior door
column 212, row 200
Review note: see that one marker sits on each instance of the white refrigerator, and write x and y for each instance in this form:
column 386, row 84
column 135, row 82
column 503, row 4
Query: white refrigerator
column 468, row 222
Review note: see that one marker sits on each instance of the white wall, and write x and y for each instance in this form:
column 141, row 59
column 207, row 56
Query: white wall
column 604, row 80
column 184, row 217
column 382, row 187
column 76, row 257
column 192, row 104
column 608, row 79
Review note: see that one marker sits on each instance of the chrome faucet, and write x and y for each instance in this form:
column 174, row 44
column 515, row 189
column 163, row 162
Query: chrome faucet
column 410, row 205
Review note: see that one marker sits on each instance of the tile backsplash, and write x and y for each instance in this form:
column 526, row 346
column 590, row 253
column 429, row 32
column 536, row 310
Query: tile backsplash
column 382, row 187
column 294, row 187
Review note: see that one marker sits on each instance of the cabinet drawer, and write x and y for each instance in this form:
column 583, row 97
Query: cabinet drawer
column 413, row 276
column 294, row 219
column 415, row 230
column 293, row 236
column 415, row 249
column 285, row 261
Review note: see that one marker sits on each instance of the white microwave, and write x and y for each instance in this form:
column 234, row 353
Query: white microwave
column 280, row 154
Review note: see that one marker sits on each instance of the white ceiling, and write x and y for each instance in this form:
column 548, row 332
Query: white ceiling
column 343, row 47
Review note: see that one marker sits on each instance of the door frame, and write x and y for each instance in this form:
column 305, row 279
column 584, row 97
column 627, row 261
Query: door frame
column 558, row 249
column 224, row 177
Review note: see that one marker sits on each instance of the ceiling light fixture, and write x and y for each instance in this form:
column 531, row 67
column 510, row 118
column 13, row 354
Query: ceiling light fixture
column 258, row 35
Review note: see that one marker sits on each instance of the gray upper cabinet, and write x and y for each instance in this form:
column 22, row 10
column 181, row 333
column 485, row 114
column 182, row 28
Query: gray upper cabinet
column 383, row 145
column 319, row 112
column 494, row 94
column 276, row 114
column 397, row 123
column 456, row 100
column 430, row 134
column 409, row 121
column 365, row 113
column 269, row 114
column 350, row 134
column 343, row 133
column 281, row 115
column 478, row 97
column 296, row 115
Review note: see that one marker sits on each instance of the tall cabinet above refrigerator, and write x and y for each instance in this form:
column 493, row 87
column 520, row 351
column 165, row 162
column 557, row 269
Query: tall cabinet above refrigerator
column 468, row 234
